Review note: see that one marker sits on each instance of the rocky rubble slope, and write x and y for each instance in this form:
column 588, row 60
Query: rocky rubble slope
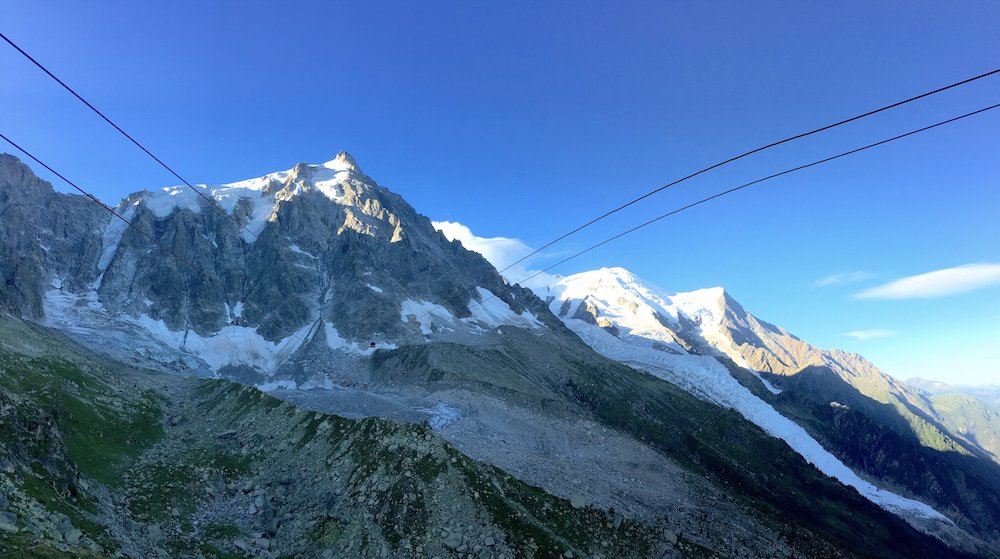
column 104, row 461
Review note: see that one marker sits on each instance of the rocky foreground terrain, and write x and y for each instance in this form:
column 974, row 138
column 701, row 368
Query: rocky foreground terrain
column 108, row 460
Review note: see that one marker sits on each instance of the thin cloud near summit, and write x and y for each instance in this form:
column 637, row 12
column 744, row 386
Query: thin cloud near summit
column 939, row 283
column 867, row 335
column 844, row 277
column 499, row 251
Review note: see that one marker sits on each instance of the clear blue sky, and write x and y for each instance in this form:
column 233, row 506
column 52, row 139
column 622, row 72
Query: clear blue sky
column 525, row 119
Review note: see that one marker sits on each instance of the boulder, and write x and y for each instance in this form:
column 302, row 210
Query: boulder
column 73, row 536
column 453, row 540
column 155, row 534
column 670, row 537
column 8, row 521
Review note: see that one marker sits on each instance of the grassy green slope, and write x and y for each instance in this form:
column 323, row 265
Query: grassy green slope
column 971, row 417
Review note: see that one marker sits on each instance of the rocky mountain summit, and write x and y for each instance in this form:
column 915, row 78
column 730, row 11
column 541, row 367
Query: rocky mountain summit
column 395, row 397
column 318, row 259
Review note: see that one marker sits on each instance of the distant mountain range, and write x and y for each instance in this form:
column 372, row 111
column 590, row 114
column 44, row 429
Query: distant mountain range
column 990, row 394
column 681, row 416
column 879, row 427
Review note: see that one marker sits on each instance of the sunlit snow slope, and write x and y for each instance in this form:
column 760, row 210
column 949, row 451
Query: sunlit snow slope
column 260, row 192
column 638, row 324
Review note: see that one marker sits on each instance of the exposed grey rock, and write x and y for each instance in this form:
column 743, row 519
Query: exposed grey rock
column 73, row 536
column 8, row 521
column 44, row 236
column 453, row 540
column 670, row 537
column 349, row 262
column 155, row 534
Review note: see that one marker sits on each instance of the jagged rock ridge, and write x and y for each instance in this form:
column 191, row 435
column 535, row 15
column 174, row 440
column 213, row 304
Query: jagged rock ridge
column 316, row 253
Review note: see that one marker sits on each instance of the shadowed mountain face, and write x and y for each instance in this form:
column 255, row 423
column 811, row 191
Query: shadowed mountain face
column 970, row 417
column 915, row 455
column 43, row 234
column 333, row 264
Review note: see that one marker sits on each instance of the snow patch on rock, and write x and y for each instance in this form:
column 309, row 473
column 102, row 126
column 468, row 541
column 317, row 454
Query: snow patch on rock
column 232, row 345
column 488, row 312
column 492, row 311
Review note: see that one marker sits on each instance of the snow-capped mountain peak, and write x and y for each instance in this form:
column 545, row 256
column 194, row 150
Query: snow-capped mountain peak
column 262, row 194
column 317, row 265
column 663, row 333
column 343, row 162
column 616, row 299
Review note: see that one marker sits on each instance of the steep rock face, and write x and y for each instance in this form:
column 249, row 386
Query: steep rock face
column 44, row 237
column 334, row 246
column 318, row 254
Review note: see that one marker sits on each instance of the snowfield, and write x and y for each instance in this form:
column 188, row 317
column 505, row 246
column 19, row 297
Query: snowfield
column 645, row 343
column 489, row 312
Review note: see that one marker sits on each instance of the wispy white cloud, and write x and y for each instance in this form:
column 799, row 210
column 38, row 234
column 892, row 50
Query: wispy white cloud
column 939, row 283
column 844, row 277
column 866, row 335
column 499, row 251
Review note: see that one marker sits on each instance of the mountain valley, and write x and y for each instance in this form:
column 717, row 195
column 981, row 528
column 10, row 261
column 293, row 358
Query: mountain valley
column 321, row 373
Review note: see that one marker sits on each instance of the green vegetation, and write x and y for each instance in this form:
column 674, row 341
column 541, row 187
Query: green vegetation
column 972, row 418
column 534, row 520
column 69, row 422
column 967, row 489
column 231, row 466
column 21, row 546
column 327, row 533
column 158, row 487
column 102, row 431
column 39, row 488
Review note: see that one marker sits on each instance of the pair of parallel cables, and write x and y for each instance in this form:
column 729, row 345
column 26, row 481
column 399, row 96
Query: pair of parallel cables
column 564, row 235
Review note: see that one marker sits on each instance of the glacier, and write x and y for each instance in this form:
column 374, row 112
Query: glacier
column 637, row 309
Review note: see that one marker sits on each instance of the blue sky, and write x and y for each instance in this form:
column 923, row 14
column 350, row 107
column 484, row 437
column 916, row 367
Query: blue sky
column 523, row 120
